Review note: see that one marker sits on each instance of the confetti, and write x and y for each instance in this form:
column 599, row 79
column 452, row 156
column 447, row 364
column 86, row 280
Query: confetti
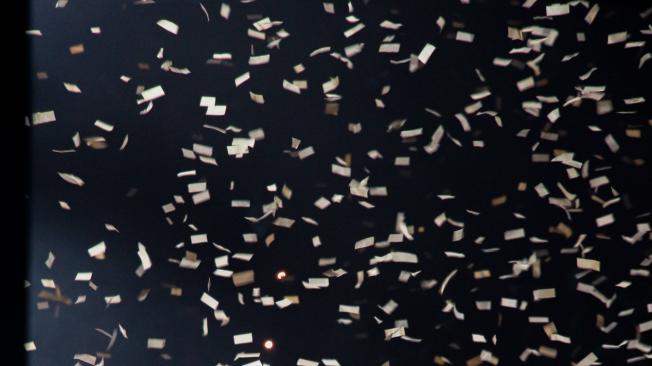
column 168, row 26
column 425, row 53
column 243, row 338
column 398, row 178
column 43, row 117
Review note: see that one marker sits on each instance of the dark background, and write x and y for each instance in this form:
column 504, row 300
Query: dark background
column 148, row 166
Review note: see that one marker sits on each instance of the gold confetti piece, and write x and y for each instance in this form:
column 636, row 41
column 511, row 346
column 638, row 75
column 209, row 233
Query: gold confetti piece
column 225, row 10
column 590, row 264
column 497, row 201
column 259, row 60
column 543, row 294
column 168, row 26
column 30, row 346
column 557, row 10
column 77, row 49
column 43, row 117
column 151, row 94
column 243, row 278
column 155, row 343
column 209, row 301
column 244, row 338
column 353, row 30
column 425, row 53
column 72, row 88
column 257, row 98
column 103, row 126
column 89, row 359
column 97, row 250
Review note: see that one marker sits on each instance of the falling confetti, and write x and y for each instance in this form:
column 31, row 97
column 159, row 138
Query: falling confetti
column 359, row 183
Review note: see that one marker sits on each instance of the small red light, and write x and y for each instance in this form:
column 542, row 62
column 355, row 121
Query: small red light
column 269, row 344
column 281, row 275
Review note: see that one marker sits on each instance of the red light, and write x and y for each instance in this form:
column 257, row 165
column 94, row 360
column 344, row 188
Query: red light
column 281, row 275
column 269, row 344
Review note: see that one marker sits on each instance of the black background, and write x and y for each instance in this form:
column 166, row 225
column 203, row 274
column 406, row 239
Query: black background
column 152, row 159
